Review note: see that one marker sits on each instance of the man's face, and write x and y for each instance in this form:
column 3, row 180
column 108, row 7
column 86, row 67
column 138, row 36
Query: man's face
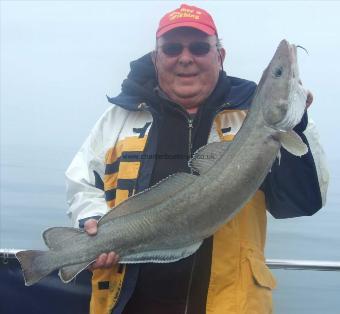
column 188, row 79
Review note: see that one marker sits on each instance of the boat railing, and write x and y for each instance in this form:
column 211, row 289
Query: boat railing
column 289, row 264
column 303, row 264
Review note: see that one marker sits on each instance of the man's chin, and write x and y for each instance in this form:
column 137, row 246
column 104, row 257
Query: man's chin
column 188, row 92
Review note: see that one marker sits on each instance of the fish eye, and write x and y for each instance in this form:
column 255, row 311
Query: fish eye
column 278, row 72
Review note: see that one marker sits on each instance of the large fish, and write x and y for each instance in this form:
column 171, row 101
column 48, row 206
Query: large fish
column 170, row 220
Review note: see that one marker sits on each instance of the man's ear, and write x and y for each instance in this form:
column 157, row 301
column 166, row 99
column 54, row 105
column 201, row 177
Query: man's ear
column 222, row 55
column 154, row 57
column 154, row 61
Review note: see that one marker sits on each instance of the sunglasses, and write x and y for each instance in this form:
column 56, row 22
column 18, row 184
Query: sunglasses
column 199, row 48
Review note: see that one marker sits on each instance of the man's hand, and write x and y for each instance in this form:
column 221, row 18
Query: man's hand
column 310, row 97
column 104, row 260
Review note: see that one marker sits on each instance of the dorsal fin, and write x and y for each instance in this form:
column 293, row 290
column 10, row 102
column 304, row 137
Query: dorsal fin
column 205, row 157
column 56, row 236
column 158, row 193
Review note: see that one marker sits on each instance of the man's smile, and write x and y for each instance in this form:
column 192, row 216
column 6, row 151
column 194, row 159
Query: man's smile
column 186, row 75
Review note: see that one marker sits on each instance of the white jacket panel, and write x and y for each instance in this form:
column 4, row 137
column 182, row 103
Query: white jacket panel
column 83, row 198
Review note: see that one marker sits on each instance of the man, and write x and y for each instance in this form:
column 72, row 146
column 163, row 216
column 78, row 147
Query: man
column 174, row 101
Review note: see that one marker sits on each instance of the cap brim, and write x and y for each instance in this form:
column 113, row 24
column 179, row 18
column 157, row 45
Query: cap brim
column 206, row 29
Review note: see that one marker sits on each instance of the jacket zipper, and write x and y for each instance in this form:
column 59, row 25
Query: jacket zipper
column 190, row 122
column 190, row 127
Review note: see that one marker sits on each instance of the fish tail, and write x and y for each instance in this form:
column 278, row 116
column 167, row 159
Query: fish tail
column 34, row 265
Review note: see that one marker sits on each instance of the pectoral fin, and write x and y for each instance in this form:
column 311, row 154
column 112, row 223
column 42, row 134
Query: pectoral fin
column 293, row 143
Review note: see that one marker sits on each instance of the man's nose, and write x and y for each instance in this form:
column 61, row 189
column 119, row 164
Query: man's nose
column 185, row 57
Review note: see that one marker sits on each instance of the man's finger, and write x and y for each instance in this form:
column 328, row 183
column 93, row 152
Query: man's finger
column 116, row 258
column 309, row 98
column 111, row 258
column 105, row 261
column 100, row 261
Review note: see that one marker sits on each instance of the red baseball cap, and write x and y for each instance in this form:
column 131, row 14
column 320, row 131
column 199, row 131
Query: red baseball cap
column 188, row 16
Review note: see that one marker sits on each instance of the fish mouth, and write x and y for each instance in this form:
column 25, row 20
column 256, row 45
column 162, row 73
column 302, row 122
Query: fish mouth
column 296, row 74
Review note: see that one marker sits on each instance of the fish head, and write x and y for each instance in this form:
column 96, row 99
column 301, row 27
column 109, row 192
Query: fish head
column 282, row 97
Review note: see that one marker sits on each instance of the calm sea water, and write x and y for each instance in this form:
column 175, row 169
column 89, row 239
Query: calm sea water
column 33, row 199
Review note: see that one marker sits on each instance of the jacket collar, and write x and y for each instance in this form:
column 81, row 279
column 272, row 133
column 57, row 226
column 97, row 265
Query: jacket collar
column 140, row 87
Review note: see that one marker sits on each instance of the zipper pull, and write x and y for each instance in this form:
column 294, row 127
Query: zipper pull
column 190, row 123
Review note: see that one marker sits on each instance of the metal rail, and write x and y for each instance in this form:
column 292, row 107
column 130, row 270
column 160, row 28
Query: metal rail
column 6, row 254
column 303, row 264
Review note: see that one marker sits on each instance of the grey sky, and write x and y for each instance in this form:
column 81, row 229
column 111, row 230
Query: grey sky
column 60, row 58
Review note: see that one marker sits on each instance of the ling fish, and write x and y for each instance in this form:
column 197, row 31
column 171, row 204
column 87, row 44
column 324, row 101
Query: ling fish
column 170, row 220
